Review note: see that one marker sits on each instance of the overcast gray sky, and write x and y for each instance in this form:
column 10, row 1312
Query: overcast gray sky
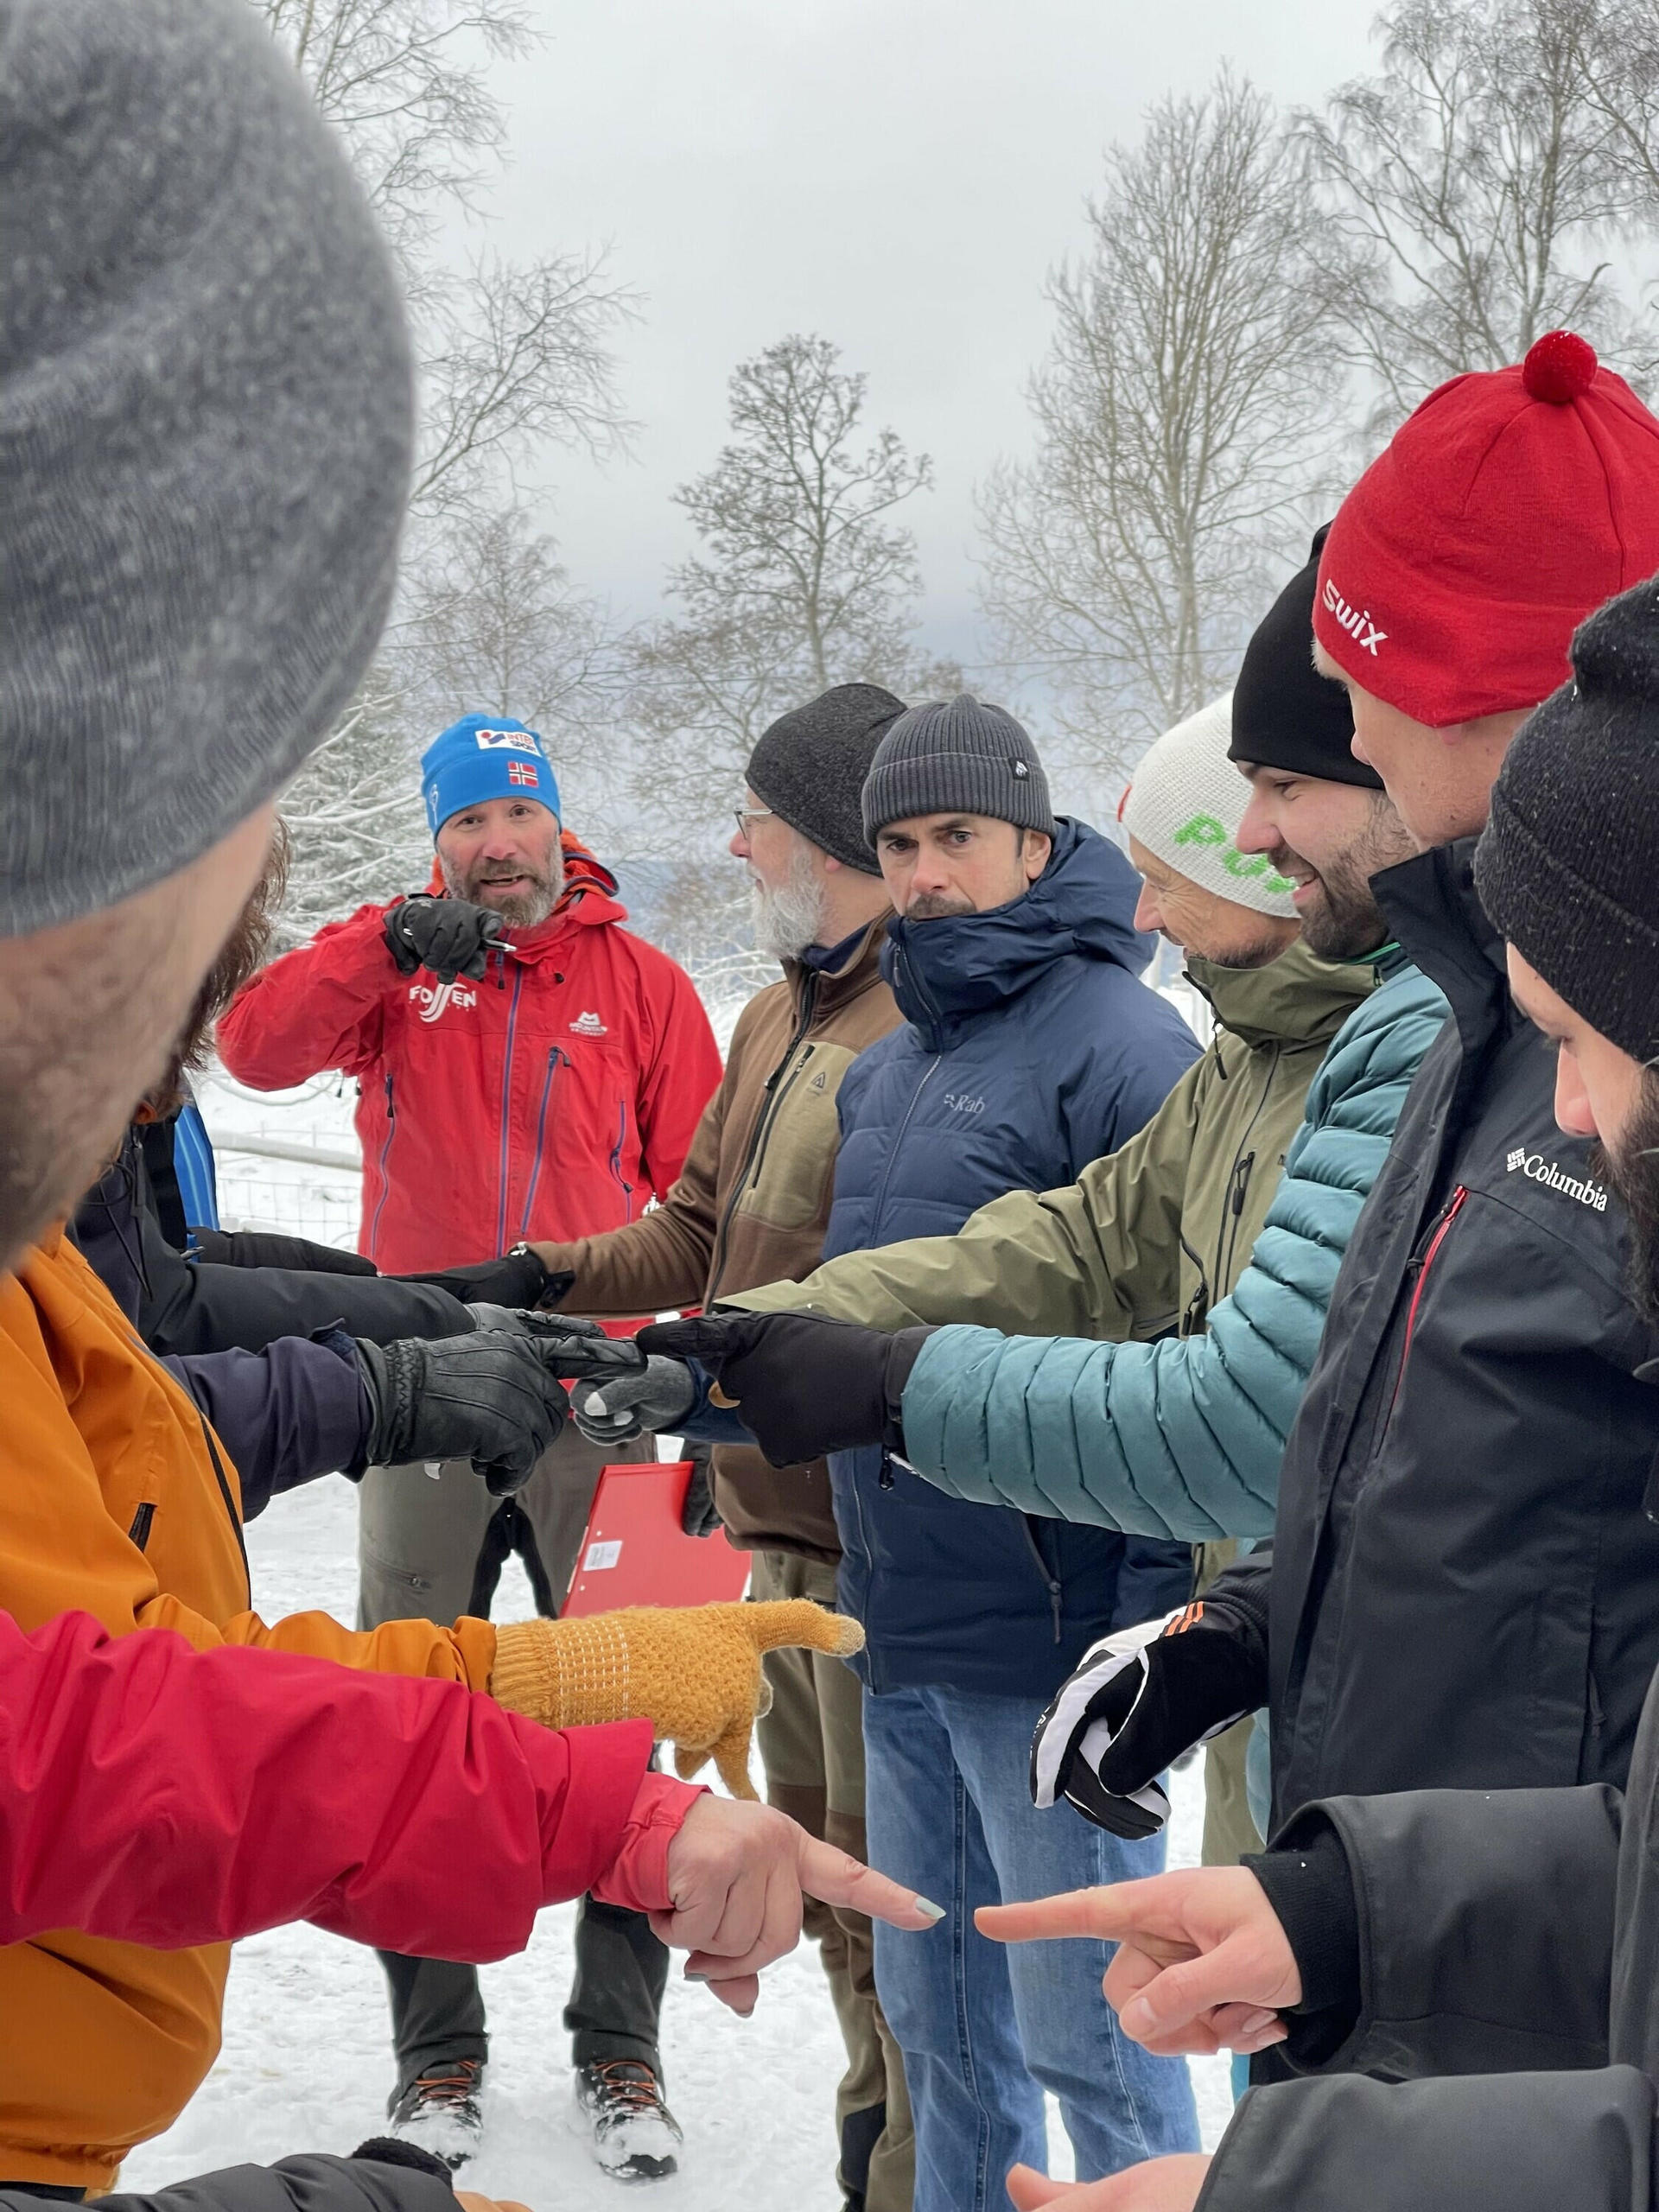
column 897, row 174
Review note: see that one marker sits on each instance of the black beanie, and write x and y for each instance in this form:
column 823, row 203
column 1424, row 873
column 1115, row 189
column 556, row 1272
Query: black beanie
column 810, row 766
column 1568, row 865
column 1286, row 715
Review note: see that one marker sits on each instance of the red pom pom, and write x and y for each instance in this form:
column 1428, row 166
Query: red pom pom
column 1559, row 367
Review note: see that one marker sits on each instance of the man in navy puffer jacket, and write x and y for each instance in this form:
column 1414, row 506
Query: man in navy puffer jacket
column 1030, row 1049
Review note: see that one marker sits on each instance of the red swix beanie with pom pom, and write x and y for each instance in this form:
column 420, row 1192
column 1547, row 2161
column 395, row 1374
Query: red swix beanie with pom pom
column 1507, row 507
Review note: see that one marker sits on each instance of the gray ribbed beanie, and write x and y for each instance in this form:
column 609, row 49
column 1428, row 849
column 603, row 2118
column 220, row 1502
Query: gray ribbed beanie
column 1568, row 867
column 205, row 418
column 810, row 766
column 957, row 757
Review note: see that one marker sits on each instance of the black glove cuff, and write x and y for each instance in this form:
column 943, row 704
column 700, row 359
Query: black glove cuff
column 393, row 2150
column 1310, row 1885
column 391, row 1376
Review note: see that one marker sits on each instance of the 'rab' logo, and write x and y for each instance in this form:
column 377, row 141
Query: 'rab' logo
column 1357, row 622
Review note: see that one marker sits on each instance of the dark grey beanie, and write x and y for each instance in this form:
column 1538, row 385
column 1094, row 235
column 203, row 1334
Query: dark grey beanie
column 1568, row 865
column 206, row 417
column 810, row 766
column 957, row 757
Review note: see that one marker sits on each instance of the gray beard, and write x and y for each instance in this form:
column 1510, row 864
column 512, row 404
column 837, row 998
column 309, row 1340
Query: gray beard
column 788, row 918
column 524, row 911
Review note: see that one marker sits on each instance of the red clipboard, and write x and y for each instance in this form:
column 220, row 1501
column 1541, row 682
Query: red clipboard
column 635, row 1552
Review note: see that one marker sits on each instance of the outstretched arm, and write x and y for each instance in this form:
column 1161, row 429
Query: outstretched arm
column 1182, row 1437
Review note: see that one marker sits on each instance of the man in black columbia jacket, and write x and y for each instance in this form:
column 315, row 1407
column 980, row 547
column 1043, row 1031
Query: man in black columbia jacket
column 1464, row 1588
column 1508, row 1940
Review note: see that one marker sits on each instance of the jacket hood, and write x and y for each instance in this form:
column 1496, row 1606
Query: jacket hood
column 589, row 895
column 1290, row 1000
column 1082, row 903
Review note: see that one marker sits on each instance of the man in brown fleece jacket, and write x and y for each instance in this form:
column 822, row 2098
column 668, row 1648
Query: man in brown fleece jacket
column 750, row 1207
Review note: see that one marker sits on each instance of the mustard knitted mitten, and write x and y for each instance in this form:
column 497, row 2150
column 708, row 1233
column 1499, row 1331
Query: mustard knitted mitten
column 694, row 1672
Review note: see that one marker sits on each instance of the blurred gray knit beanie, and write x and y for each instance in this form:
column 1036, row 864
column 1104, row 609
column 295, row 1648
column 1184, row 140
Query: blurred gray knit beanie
column 810, row 766
column 956, row 756
column 205, row 418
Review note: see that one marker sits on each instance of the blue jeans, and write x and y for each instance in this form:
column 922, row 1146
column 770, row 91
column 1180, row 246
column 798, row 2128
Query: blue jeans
column 985, row 2028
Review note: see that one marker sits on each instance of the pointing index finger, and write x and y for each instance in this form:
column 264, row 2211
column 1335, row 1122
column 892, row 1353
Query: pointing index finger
column 1108, row 1912
column 835, row 1878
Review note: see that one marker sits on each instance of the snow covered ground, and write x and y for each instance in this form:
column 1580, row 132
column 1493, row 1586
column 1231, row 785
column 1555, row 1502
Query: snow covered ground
column 306, row 2065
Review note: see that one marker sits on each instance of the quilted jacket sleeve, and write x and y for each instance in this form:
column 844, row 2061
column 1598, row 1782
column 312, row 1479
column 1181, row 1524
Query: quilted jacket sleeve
column 1182, row 1438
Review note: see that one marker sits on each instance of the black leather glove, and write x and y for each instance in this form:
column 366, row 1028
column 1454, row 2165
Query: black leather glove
column 446, row 935
column 516, row 1279
column 491, row 1398
column 1139, row 1699
column 803, row 1385
column 699, row 1516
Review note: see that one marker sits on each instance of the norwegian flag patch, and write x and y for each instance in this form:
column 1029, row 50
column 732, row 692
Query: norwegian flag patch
column 522, row 772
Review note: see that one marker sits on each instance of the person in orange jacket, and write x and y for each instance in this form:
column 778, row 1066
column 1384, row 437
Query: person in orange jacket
column 208, row 398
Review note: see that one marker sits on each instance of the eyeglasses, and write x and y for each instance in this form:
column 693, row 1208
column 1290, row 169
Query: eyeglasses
column 745, row 815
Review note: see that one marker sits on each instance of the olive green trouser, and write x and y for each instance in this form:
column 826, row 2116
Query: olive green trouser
column 812, row 1748
column 432, row 1549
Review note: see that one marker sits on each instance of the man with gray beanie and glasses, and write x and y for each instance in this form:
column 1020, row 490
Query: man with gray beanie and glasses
column 750, row 1203
column 1029, row 1048
column 205, row 432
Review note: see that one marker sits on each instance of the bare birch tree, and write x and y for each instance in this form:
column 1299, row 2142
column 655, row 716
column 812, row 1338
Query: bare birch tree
column 1185, row 415
column 1614, row 45
column 513, row 359
column 1477, row 186
column 804, row 579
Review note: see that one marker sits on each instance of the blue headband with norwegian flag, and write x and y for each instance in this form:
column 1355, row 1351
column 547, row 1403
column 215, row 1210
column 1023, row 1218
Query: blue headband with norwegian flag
column 484, row 757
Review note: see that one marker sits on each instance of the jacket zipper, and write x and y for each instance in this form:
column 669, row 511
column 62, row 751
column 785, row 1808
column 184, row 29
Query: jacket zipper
column 228, row 1495
column 381, row 1168
column 1449, row 1213
column 617, row 1176
column 506, row 1106
column 803, row 1061
column 1056, row 1590
column 1240, row 1183
column 893, row 1155
column 763, row 1126
column 1239, row 1180
column 554, row 1058
column 139, row 1532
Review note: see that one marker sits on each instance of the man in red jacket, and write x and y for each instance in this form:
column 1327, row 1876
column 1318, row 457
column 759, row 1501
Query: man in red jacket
column 526, row 1068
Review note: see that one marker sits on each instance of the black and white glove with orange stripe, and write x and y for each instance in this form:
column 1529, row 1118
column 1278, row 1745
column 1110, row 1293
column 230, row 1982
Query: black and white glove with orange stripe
column 1136, row 1702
